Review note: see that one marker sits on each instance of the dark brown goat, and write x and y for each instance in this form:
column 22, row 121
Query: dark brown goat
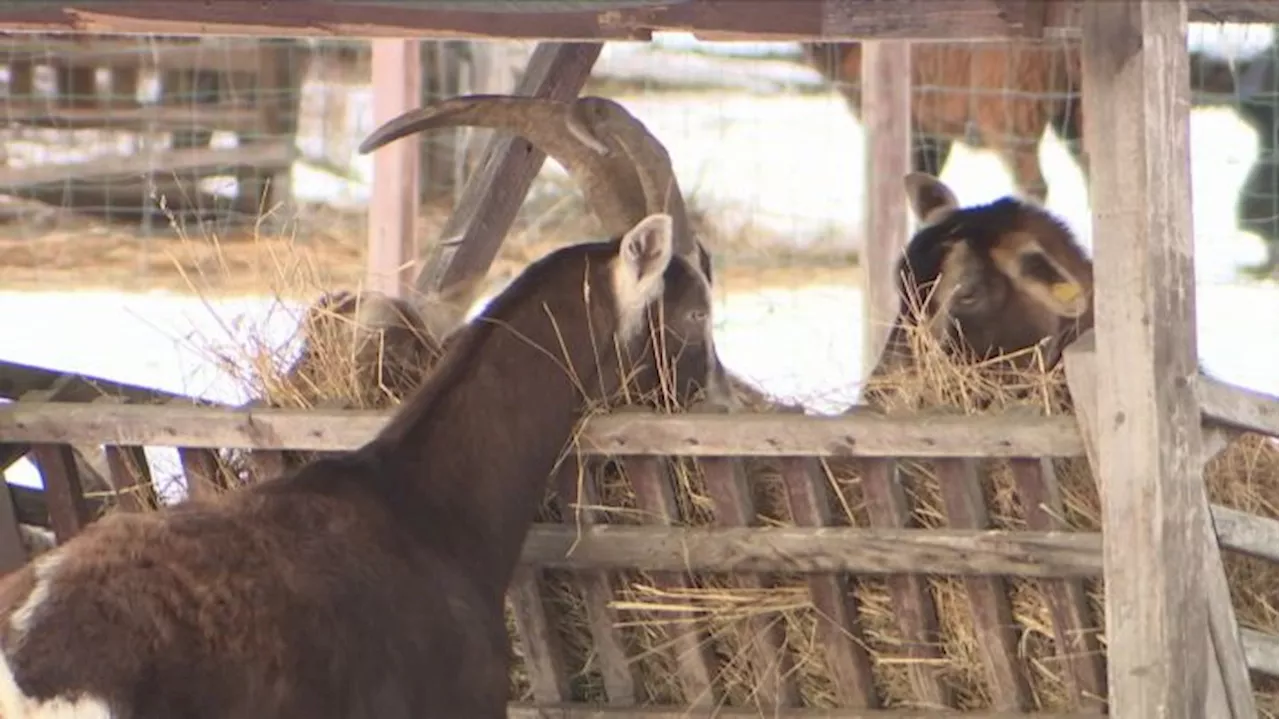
column 987, row 280
column 369, row 585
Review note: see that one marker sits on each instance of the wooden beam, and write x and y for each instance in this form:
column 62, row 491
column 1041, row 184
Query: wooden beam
column 622, row 434
column 964, row 552
column 196, row 160
column 1137, row 100
column 1228, row 691
column 1237, row 407
column 886, row 121
column 600, row 20
column 393, row 200
column 470, row 240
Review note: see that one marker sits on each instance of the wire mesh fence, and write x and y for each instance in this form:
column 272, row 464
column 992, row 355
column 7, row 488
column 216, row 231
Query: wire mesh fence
column 126, row 136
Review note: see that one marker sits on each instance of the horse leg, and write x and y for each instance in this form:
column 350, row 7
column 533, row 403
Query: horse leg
column 929, row 153
column 1259, row 204
column 1028, row 178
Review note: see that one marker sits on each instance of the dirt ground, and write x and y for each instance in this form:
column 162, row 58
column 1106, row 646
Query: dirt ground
column 323, row 249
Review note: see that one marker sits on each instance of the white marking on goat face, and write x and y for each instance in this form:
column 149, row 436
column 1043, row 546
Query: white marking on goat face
column 1041, row 276
column 14, row 704
column 643, row 257
column 21, row 619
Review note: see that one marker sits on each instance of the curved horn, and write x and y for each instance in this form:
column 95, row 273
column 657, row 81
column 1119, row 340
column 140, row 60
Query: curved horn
column 605, row 177
column 650, row 160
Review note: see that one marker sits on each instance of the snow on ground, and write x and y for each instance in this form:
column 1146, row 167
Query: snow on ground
column 800, row 344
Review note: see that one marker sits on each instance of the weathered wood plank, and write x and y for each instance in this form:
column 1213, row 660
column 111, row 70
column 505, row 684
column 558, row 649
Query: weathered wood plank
column 393, row 202
column 1248, row 533
column 1228, row 691
column 693, row 657
column 966, row 508
column 839, row 631
column 203, row 471
column 129, row 115
column 535, row 625
column 17, row 379
column 194, row 160
column 917, row 616
column 774, row 667
column 128, row 473
column 13, row 553
column 741, row 19
column 1137, row 97
column 1238, row 407
column 886, row 119
column 68, row 512
column 579, row 502
column 1262, row 651
column 630, row 433
column 1075, row 635
column 469, row 241
column 131, row 478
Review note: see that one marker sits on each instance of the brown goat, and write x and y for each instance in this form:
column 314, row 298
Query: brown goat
column 987, row 280
column 994, row 95
column 368, row 585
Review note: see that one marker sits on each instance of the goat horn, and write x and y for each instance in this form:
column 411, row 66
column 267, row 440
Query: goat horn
column 608, row 183
column 649, row 158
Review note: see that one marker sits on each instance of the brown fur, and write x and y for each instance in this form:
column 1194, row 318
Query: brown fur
column 369, row 584
column 994, row 95
column 982, row 279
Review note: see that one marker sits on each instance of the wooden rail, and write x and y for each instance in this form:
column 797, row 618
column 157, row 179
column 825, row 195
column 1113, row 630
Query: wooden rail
column 763, row 435
column 590, row 21
column 824, row 554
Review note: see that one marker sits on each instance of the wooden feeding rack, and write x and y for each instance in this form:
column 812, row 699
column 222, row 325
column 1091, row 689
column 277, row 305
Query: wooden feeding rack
column 244, row 86
column 1174, row 647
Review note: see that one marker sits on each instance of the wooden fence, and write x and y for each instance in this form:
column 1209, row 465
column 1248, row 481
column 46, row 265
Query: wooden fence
column 246, row 86
column 826, row 555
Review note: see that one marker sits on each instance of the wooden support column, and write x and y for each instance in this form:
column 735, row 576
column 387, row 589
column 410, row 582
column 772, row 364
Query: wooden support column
column 457, row 263
column 886, row 123
column 393, row 203
column 1137, row 99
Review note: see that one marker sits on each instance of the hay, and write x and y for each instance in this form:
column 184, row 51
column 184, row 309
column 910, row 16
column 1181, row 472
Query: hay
column 1243, row 477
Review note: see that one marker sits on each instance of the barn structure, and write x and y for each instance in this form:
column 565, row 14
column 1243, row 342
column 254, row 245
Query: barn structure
column 1145, row 418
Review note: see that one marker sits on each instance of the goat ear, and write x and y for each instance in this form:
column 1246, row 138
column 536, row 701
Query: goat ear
column 930, row 198
column 643, row 256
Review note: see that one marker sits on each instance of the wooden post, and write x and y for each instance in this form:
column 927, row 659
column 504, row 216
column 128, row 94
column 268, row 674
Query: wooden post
column 1137, row 99
column 886, row 122
column 469, row 242
column 393, row 203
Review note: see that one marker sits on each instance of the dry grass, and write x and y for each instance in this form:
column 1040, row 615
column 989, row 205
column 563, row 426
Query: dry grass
column 68, row 251
column 1244, row 477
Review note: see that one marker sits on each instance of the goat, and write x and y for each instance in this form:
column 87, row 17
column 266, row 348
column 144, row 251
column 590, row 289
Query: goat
column 987, row 280
column 370, row 584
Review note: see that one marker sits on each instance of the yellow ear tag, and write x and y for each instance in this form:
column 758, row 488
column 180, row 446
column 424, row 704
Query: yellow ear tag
column 1065, row 292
